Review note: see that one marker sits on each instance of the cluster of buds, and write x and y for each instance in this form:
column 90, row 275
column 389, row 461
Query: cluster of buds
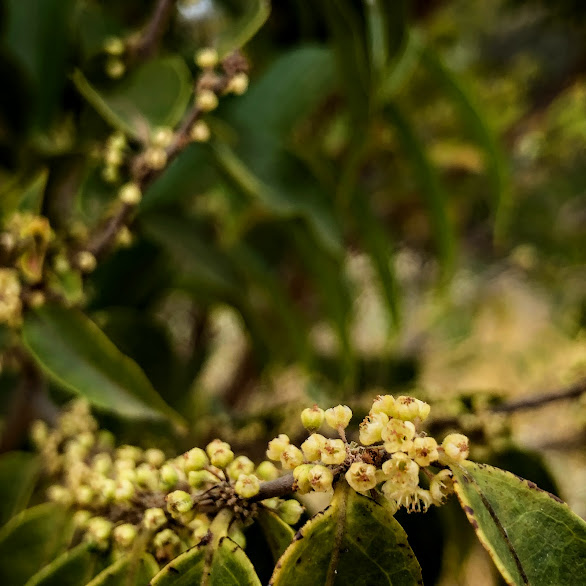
column 114, row 48
column 114, row 156
column 390, row 459
column 121, row 492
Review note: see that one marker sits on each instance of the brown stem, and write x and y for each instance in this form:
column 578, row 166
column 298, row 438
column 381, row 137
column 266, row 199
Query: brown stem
column 274, row 488
column 151, row 37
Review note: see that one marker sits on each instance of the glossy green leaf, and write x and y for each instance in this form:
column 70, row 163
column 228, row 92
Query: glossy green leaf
column 226, row 565
column 154, row 94
column 75, row 567
column 31, row 540
column 76, row 354
column 532, row 536
column 18, row 474
column 224, row 24
column 498, row 170
column 355, row 541
column 278, row 534
column 431, row 188
column 128, row 571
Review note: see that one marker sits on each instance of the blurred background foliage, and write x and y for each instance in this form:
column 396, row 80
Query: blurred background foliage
column 397, row 202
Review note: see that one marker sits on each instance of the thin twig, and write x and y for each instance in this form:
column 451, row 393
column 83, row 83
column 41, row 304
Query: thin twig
column 153, row 32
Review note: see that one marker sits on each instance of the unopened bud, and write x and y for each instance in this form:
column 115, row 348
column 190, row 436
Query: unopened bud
column 115, row 68
column 206, row 58
column 290, row 511
column 155, row 158
column 238, row 84
column 312, row 418
column 339, row 416
column 267, row 471
column 124, row 535
column 206, row 100
column 130, row 194
column 240, row 465
column 114, row 46
column 154, row 519
column 86, row 261
column 200, row 132
column 247, row 486
column 179, row 501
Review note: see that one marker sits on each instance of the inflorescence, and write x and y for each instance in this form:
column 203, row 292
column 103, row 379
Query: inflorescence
column 121, row 492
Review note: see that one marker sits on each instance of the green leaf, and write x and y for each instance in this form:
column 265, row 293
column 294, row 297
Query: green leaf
column 31, row 540
column 75, row 567
column 532, row 536
column 155, row 94
column 498, row 170
column 128, row 571
column 18, row 474
column 278, row 534
column 37, row 33
column 430, row 186
column 202, row 267
column 224, row 24
column 224, row 565
column 76, row 354
column 354, row 541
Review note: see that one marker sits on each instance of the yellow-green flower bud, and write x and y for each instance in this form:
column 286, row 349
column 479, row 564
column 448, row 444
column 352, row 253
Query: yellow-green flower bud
column 81, row 518
column 221, row 457
column 424, row 451
column 155, row 158
column 200, row 132
column 339, row 416
column 194, row 459
column 333, row 451
column 267, row 471
column 200, row 479
column 240, row 465
column 291, row 457
column 302, row 480
column 290, row 511
column 312, row 447
column 153, row 519
column 39, row 433
column 107, row 490
column 114, row 46
column 167, row 543
column 456, row 447
column 122, row 464
column 115, row 68
column 162, row 136
column 206, row 100
column 147, row 476
column 84, row 495
column 361, row 476
column 98, row 532
column 124, row 535
column 59, row 494
column 179, row 502
column 276, row 447
column 320, row 478
column 169, row 475
column 154, row 457
column 312, row 418
column 206, row 58
column 238, row 84
column 130, row 194
column 215, row 445
column 86, row 261
column 247, row 486
column 124, row 491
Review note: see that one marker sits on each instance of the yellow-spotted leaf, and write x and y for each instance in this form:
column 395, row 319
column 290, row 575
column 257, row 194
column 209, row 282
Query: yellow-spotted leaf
column 223, row 565
column 355, row 541
column 532, row 536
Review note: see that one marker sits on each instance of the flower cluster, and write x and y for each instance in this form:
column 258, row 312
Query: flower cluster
column 121, row 492
column 391, row 458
